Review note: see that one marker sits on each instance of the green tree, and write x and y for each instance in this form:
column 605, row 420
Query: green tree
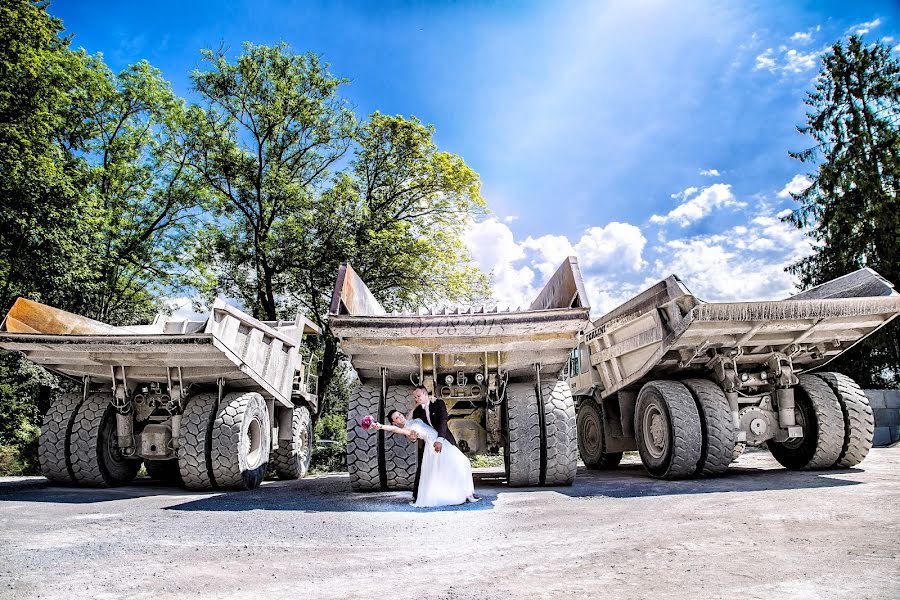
column 289, row 210
column 852, row 208
column 398, row 215
column 42, row 216
column 274, row 125
column 145, row 196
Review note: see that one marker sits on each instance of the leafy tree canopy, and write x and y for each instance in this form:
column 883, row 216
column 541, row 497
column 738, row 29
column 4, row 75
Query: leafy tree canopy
column 852, row 208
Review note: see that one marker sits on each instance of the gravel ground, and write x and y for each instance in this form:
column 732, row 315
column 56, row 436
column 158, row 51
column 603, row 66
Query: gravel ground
column 760, row 532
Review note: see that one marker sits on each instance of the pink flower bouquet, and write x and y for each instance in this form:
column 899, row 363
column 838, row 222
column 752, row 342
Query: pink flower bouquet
column 366, row 422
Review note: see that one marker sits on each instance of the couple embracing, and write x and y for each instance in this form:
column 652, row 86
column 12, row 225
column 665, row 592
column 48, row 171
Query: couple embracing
column 443, row 475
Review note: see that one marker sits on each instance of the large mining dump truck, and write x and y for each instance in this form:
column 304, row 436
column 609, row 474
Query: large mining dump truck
column 208, row 404
column 498, row 372
column 690, row 384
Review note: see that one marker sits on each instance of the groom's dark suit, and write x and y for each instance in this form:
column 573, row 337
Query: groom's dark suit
column 437, row 411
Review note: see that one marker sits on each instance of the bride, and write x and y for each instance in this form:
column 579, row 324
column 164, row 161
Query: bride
column 446, row 473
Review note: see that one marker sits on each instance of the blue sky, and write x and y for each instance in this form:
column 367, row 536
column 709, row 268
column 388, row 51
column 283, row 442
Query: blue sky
column 647, row 137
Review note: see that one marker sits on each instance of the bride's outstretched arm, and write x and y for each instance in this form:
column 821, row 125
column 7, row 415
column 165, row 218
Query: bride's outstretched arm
column 392, row 428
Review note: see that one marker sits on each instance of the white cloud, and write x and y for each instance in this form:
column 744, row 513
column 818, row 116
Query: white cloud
column 765, row 61
column 494, row 249
column 801, row 37
column 709, row 172
column 864, row 28
column 887, row 39
column 795, row 186
column 714, row 197
column 615, row 247
column 798, row 62
column 511, row 218
column 684, row 193
column 552, row 250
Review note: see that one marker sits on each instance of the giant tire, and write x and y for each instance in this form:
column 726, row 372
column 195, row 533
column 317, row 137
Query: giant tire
column 592, row 438
column 291, row 458
column 194, row 444
column 718, row 434
column 667, row 428
column 819, row 413
column 241, row 441
column 559, row 436
column 859, row 422
column 53, row 443
column 523, row 435
column 93, row 453
column 399, row 452
column 362, row 445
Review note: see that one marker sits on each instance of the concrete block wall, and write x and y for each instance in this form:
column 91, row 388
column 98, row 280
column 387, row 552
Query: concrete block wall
column 886, row 407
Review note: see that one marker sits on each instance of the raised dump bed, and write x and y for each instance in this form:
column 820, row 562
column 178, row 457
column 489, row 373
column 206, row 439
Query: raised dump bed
column 689, row 383
column 497, row 372
column 207, row 403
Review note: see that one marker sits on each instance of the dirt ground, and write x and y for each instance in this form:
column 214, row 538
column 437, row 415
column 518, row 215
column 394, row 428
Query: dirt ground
column 760, row 532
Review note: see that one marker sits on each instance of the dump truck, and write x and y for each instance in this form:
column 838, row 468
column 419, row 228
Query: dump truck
column 497, row 371
column 689, row 384
column 209, row 404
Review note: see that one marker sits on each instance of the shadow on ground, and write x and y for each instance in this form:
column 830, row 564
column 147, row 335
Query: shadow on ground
column 331, row 493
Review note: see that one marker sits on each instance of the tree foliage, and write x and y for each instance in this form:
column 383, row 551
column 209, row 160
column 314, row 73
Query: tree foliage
column 274, row 124
column 852, row 208
column 301, row 187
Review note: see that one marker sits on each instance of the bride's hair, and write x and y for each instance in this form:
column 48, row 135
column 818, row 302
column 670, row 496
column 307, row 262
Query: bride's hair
column 391, row 414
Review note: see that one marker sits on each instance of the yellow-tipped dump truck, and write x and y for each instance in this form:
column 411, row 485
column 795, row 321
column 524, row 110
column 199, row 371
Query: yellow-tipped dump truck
column 689, row 383
column 497, row 371
column 208, row 404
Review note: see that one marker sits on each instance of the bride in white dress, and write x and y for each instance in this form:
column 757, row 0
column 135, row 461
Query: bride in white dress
column 446, row 474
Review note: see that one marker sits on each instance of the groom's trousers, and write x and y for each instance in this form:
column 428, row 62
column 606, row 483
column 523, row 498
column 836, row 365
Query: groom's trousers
column 420, row 454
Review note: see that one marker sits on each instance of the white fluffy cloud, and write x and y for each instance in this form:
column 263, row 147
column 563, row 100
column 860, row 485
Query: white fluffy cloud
column 709, row 172
column 803, row 37
column 745, row 261
column 795, row 186
column 765, row 61
column 864, row 28
column 495, row 250
column 695, row 207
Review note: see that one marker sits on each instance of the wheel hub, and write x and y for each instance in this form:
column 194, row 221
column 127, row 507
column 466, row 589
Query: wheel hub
column 656, row 432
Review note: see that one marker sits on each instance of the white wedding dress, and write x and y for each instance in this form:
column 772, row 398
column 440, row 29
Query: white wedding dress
column 446, row 477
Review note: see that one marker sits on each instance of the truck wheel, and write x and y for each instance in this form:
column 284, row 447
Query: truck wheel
column 53, row 443
column 399, row 452
column 291, row 458
column 362, row 445
column 667, row 427
column 164, row 471
column 561, row 445
column 819, row 413
column 523, row 435
column 859, row 423
column 718, row 434
column 193, row 447
column 592, row 439
column 93, row 453
column 241, row 441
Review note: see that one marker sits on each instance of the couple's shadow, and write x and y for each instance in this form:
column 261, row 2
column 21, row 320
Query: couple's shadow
column 329, row 493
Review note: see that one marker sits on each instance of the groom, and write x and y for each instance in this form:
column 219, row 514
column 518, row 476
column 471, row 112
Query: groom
column 434, row 412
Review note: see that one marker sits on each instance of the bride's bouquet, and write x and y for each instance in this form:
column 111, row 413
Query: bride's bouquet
column 366, row 422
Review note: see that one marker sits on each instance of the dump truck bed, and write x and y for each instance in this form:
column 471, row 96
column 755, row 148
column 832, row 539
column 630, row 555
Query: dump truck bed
column 229, row 345
column 667, row 330
column 543, row 334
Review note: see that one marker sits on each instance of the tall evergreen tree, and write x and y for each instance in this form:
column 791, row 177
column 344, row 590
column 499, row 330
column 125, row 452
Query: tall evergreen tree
column 852, row 209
